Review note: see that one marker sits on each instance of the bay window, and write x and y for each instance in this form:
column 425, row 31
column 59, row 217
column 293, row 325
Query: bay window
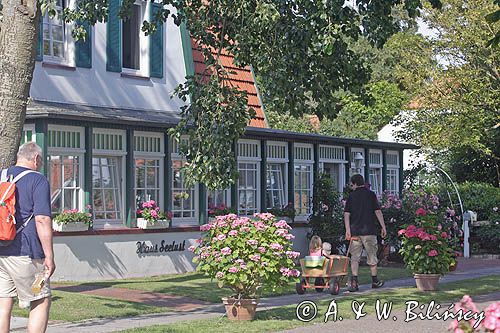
column 148, row 161
column 248, row 180
column 65, row 148
column 303, row 179
column 108, row 175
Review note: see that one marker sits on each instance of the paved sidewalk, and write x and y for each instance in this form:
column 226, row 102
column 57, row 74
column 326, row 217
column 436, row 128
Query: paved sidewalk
column 466, row 270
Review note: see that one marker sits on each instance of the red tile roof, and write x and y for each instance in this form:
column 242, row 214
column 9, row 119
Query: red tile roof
column 241, row 78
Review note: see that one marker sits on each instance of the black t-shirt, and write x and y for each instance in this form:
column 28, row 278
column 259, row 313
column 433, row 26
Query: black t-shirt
column 362, row 204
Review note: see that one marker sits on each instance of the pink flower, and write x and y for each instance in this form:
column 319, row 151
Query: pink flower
column 233, row 233
column 281, row 232
column 226, row 251
column 276, row 246
column 292, row 254
column 206, row 227
column 420, row 212
column 401, row 232
column 261, row 249
column 154, row 214
column 492, row 317
column 234, row 270
column 252, row 242
column 244, row 229
column 444, row 235
column 197, row 241
column 255, row 257
column 219, row 275
column 432, row 253
column 221, row 237
column 192, row 248
column 282, row 224
column 289, row 236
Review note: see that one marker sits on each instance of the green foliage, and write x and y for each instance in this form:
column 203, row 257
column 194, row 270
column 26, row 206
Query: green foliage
column 72, row 216
column 247, row 254
column 424, row 248
column 327, row 219
column 480, row 198
column 286, row 211
column 487, row 237
column 151, row 212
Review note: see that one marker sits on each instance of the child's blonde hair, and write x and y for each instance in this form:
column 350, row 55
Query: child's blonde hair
column 315, row 243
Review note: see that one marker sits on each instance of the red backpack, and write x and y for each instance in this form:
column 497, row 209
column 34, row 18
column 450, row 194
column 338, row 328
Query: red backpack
column 7, row 207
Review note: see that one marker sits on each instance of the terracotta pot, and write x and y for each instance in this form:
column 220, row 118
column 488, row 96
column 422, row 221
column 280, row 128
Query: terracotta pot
column 243, row 309
column 427, row 282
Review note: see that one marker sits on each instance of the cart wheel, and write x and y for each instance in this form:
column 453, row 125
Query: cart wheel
column 299, row 288
column 334, row 286
column 319, row 282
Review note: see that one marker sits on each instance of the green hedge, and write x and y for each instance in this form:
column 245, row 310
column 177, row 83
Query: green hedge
column 480, row 198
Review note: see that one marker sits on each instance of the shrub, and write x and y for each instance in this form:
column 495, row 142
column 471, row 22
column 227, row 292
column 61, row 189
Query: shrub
column 247, row 254
column 480, row 198
column 72, row 216
column 425, row 249
column 327, row 219
column 487, row 237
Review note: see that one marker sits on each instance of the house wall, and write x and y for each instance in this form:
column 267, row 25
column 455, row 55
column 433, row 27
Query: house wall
column 98, row 87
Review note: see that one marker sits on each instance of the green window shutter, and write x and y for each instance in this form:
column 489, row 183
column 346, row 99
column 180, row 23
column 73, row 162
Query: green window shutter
column 39, row 46
column 156, row 46
column 114, row 38
column 83, row 48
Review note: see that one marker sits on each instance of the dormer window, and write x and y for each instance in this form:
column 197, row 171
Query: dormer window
column 54, row 37
column 131, row 41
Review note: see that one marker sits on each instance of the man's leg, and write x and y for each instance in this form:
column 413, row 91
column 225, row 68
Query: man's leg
column 371, row 246
column 39, row 315
column 355, row 249
column 6, row 304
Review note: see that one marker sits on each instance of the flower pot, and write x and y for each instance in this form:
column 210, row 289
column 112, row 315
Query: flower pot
column 145, row 224
column 427, row 282
column 69, row 227
column 243, row 309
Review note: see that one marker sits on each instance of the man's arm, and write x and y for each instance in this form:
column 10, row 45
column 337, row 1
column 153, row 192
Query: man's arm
column 347, row 222
column 44, row 230
column 380, row 218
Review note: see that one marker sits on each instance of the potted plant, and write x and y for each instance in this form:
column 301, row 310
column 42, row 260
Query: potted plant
column 425, row 250
column 150, row 216
column 286, row 212
column 246, row 254
column 72, row 220
column 219, row 210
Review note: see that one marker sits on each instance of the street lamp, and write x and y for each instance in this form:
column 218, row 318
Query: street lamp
column 358, row 162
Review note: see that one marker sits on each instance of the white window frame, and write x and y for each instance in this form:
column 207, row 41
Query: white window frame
column 341, row 162
column 227, row 198
column 305, row 162
column 104, row 153
column 256, row 160
column 144, row 42
column 394, row 191
column 139, row 154
column 69, row 42
column 66, row 151
column 352, row 169
column 394, row 168
column 180, row 221
column 283, row 161
column 26, row 128
column 377, row 189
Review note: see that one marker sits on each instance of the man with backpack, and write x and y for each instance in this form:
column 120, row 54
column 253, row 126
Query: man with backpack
column 26, row 251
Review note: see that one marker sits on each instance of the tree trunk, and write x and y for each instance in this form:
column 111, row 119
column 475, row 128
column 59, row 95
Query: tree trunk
column 18, row 38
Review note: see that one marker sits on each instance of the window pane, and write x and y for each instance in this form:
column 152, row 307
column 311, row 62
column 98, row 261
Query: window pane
column 131, row 40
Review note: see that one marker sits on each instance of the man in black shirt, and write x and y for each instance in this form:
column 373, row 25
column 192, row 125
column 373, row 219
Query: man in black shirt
column 361, row 213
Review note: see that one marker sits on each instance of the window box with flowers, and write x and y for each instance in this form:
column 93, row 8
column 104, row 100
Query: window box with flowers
column 72, row 220
column 219, row 210
column 245, row 255
column 286, row 213
column 426, row 250
column 150, row 216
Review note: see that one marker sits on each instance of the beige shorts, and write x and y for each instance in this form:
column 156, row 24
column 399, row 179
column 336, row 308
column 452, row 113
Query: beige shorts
column 17, row 274
column 371, row 246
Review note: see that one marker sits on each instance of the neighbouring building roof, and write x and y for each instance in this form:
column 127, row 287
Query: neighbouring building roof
column 242, row 78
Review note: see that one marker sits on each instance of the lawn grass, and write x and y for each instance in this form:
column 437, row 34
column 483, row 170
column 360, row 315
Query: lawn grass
column 284, row 317
column 197, row 286
column 72, row 307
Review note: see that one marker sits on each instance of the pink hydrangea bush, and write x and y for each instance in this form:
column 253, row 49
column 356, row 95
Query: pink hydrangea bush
column 425, row 248
column 151, row 212
column 247, row 254
column 491, row 322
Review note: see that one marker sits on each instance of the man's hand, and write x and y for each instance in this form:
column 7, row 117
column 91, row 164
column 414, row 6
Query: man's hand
column 50, row 266
column 383, row 233
column 348, row 234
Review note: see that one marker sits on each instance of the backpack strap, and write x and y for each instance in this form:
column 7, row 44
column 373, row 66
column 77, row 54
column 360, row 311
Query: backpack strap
column 25, row 223
column 22, row 174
